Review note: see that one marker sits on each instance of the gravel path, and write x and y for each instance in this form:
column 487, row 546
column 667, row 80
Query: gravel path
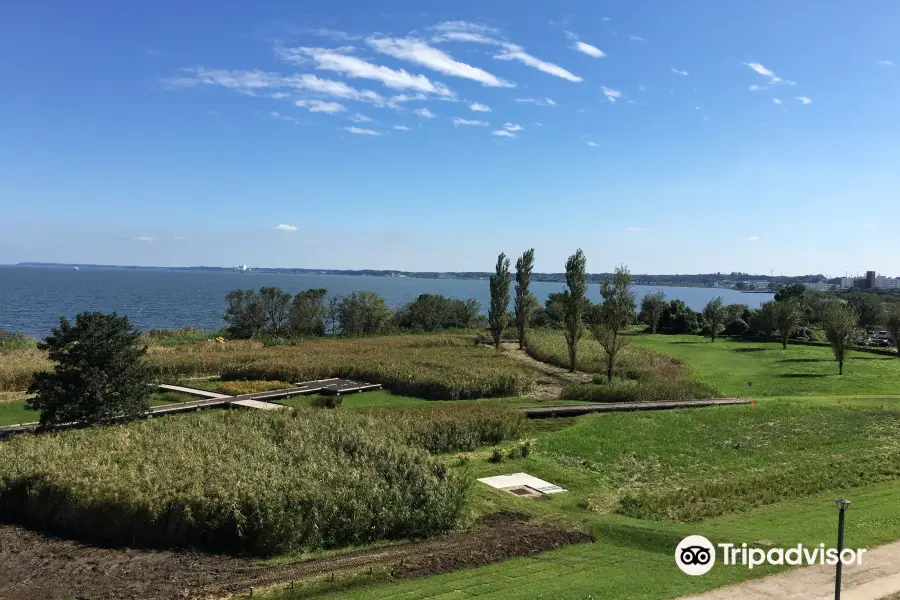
column 877, row 578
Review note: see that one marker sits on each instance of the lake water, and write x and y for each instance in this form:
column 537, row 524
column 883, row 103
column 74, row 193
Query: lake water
column 33, row 298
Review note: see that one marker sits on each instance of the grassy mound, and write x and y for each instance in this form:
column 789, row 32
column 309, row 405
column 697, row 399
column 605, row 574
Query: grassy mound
column 624, row 390
column 549, row 346
column 261, row 483
column 685, row 466
column 238, row 388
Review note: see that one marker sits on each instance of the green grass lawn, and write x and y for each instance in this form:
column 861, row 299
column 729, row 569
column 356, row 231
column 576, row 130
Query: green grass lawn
column 15, row 413
column 597, row 457
column 795, row 371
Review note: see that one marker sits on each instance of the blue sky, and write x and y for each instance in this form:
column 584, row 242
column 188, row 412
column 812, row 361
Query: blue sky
column 669, row 136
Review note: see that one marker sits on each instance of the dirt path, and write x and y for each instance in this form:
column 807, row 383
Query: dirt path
column 551, row 380
column 34, row 566
column 877, row 578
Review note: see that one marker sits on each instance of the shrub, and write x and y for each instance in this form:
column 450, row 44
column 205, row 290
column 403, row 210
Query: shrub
column 99, row 373
column 319, row 401
column 804, row 334
column 525, row 448
column 644, row 391
column 496, row 455
column 433, row 312
column 737, row 328
column 10, row 341
column 262, row 482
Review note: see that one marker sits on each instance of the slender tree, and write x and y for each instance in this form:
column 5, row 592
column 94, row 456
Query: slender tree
column 652, row 306
column 574, row 304
column 714, row 313
column 892, row 323
column 869, row 310
column 787, row 316
column 498, row 315
column 841, row 331
column 275, row 305
column 334, row 304
column 523, row 302
column 616, row 313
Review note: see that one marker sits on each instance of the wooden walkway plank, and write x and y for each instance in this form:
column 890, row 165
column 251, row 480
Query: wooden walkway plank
column 191, row 391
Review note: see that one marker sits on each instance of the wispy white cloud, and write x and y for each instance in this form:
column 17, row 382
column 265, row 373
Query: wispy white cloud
column 537, row 101
column 401, row 127
column 143, row 238
column 276, row 115
column 424, row 112
column 512, row 127
column 337, row 89
column 752, row 238
column 592, row 144
column 458, row 121
column 611, row 94
column 465, row 36
column 321, row 106
column 636, row 38
column 361, row 131
column 589, row 50
column 504, row 133
column 361, row 118
column 804, row 99
column 762, row 70
column 466, row 26
column 480, row 107
column 776, row 100
column 419, row 52
column 885, row 63
column 355, row 67
column 757, row 88
column 284, row 227
column 634, row 229
column 513, row 52
column 682, row 73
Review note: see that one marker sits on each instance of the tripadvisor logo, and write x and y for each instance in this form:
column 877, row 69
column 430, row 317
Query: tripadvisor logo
column 696, row 555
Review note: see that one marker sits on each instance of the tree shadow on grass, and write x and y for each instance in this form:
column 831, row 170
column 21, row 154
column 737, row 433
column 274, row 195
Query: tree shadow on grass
column 803, row 375
column 645, row 538
column 691, row 342
column 749, row 349
column 805, row 360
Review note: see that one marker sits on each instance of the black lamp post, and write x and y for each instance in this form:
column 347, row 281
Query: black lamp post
column 842, row 505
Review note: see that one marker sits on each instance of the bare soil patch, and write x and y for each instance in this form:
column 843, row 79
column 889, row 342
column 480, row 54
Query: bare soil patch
column 34, row 566
column 551, row 379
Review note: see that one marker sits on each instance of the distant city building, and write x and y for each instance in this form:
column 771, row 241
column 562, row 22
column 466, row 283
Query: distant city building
column 847, row 283
column 818, row 286
column 887, row 283
column 870, row 280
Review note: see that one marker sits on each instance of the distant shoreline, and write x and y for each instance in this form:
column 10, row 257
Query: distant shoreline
column 701, row 280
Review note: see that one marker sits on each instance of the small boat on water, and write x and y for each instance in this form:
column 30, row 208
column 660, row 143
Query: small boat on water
column 76, row 268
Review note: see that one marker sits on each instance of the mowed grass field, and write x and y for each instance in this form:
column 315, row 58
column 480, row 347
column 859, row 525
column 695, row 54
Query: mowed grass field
column 794, row 371
column 836, row 448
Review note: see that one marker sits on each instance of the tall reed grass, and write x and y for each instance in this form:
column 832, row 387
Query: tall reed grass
column 260, row 483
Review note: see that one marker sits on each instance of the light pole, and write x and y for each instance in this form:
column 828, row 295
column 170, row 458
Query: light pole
column 842, row 505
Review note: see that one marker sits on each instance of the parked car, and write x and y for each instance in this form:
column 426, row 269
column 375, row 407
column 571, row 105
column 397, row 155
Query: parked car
column 880, row 342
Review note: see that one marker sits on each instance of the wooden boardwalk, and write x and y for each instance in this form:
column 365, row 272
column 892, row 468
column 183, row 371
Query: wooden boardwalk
column 574, row 410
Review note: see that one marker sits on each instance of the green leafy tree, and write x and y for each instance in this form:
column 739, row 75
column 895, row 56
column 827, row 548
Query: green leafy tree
column 787, row 318
column 766, row 319
column 892, row 324
column 714, row 313
column 308, row 313
column 677, row 317
column 99, row 374
column 734, row 312
column 652, row 307
column 794, row 291
column 869, row 310
column 275, row 305
column 498, row 317
column 616, row 313
column 334, row 304
column 841, row 331
column 574, row 305
column 363, row 313
column 523, row 301
column 244, row 314
column 433, row 312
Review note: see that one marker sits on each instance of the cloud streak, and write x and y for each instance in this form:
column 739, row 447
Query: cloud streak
column 419, row 52
column 517, row 53
column 503, row 133
column 475, row 106
column 284, row 227
column 425, row 113
column 355, row 67
column 805, row 99
column 589, row 50
column 321, row 106
column 458, row 121
column 537, row 101
column 361, row 131
column 682, row 73
column 611, row 94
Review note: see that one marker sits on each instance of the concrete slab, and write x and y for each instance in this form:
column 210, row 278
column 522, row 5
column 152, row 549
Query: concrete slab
column 515, row 480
